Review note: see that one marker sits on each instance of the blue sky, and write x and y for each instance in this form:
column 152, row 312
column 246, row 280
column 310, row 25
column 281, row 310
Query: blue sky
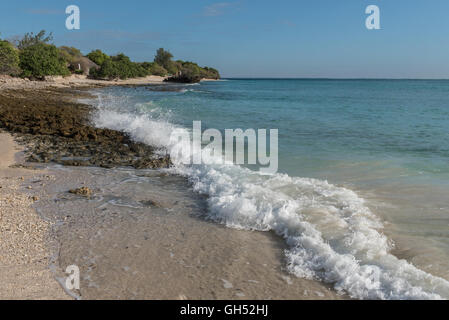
column 298, row 38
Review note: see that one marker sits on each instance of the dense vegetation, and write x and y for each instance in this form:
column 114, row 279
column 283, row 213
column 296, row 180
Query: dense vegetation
column 155, row 69
column 34, row 56
column 40, row 60
column 119, row 66
column 190, row 72
column 70, row 54
column 9, row 59
column 183, row 71
column 98, row 57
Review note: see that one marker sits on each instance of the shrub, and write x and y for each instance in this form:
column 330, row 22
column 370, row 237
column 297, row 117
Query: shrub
column 41, row 60
column 146, row 65
column 173, row 67
column 154, row 69
column 9, row 59
column 107, row 70
column 190, row 73
column 70, row 54
column 209, row 73
column 98, row 57
column 119, row 66
column 158, row 70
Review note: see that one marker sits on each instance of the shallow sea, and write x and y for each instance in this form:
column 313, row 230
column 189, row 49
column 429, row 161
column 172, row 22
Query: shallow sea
column 361, row 194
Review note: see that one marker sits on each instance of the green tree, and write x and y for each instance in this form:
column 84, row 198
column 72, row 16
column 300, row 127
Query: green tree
column 163, row 58
column 158, row 70
column 173, row 67
column 108, row 70
column 30, row 39
column 98, row 57
column 147, row 65
column 154, row 69
column 70, row 54
column 42, row 60
column 9, row 59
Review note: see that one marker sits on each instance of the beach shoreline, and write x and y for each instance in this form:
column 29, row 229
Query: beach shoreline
column 71, row 82
column 77, row 82
column 233, row 265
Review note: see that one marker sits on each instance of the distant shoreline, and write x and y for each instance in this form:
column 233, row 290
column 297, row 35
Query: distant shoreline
column 81, row 81
column 73, row 81
column 78, row 81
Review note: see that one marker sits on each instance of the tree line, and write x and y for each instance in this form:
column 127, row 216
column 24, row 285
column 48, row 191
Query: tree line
column 34, row 56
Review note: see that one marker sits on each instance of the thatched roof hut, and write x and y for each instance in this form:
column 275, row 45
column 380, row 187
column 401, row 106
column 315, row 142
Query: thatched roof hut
column 84, row 64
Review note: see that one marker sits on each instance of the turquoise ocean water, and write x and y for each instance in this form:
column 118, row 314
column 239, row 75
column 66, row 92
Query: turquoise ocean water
column 362, row 192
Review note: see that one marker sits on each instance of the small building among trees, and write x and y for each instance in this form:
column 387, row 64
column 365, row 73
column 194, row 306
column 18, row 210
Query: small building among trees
column 83, row 65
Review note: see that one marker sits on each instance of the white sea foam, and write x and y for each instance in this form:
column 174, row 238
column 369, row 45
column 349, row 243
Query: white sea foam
column 330, row 232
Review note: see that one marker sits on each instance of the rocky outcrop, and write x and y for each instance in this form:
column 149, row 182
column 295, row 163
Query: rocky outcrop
column 55, row 129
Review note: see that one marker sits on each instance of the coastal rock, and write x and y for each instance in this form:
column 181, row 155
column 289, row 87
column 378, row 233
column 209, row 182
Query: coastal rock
column 56, row 129
column 150, row 203
column 84, row 191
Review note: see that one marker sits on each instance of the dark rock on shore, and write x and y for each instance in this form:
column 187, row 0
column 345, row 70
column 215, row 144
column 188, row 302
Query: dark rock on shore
column 56, row 129
column 84, row 191
column 184, row 78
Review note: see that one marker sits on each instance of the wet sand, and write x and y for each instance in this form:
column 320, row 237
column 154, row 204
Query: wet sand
column 142, row 235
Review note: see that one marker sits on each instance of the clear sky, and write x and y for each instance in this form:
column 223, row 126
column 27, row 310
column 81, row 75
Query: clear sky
column 297, row 38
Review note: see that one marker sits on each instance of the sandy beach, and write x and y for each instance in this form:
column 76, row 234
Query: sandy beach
column 73, row 81
column 24, row 256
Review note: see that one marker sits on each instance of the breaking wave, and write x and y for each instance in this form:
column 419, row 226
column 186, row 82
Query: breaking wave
column 331, row 234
